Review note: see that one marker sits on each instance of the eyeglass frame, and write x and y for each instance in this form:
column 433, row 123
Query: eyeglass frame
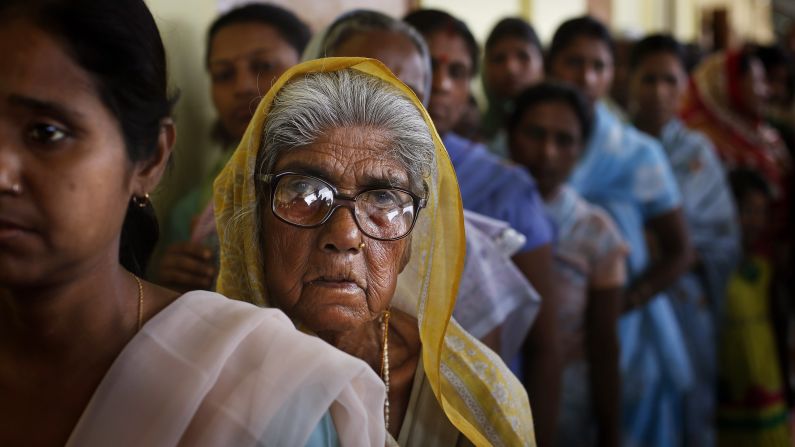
column 272, row 179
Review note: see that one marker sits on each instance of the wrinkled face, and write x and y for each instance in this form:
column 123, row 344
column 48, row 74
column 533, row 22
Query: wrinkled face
column 511, row 65
column 322, row 277
column 65, row 151
column 657, row 85
column 244, row 61
column 452, row 71
column 548, row 141
column 586, row 63
column 395, row 50
column 753, row 89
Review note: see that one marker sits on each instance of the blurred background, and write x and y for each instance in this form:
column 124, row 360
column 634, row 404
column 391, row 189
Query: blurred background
column 711, row 24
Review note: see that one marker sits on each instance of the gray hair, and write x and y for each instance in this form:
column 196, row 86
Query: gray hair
column 363, row 20
column 311, row 105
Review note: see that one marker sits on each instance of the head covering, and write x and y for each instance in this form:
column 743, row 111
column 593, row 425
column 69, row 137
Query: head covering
column 477, row 392
column 714, row 105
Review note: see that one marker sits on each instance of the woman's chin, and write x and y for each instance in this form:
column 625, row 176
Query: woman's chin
column 335, row 318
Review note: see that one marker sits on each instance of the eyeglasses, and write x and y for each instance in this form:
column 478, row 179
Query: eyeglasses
column 385, row 214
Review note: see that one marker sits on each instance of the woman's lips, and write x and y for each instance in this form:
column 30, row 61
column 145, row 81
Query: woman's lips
column 10, row 229
column 340, row 282
column 342, row 286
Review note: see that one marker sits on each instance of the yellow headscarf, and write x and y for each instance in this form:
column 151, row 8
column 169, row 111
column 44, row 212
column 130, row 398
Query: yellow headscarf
column 479, row 395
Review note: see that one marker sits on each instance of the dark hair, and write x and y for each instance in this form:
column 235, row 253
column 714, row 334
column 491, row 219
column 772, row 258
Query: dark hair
column 117, row 42
column 655, row 44
column 693, row 54
column 288, row 25
column 748, row 53
column 571, row 29
column 744, row 180
column 513, row 27
column 429, row 21
column 775, row 56
column 549, row 91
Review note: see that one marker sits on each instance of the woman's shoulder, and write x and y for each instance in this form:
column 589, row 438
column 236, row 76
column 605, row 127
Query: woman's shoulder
column 591, row 220
column 208, row 315
column 228, row 361
column 597, row 231
column 207, row 370
column 217, row 308
column 215, row 333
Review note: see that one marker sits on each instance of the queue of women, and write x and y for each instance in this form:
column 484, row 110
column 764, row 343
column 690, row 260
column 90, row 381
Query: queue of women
column 370, row 262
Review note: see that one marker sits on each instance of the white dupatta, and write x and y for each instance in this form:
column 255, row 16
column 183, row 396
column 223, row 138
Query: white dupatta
column 210, row 371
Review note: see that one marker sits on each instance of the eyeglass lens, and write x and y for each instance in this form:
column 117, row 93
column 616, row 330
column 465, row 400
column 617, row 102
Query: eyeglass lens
column 380, row 213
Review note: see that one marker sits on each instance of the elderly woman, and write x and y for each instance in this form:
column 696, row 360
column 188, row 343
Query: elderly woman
column 339, row 183
column 495, row 302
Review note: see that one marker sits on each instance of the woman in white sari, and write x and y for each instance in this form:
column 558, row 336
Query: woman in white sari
column 90, row 354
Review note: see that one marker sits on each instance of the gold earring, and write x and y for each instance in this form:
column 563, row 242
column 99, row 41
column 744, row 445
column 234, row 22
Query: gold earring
column 362, row 245
column 141, row 201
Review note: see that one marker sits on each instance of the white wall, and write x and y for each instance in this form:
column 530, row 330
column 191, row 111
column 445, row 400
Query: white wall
column 547, row 15
column 480, row 16
column 183, row 25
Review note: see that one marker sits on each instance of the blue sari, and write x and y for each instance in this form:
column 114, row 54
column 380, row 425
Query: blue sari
column 627, row 173
column 499, row 189
column 698, row 296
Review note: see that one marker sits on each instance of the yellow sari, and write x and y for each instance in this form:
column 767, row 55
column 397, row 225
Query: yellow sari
column 476, row 391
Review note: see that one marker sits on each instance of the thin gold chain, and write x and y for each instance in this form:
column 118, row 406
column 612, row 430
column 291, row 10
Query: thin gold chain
column 140, row 301
column 385, row 364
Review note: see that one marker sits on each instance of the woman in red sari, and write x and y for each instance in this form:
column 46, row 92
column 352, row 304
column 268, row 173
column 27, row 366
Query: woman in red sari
column 726, row 100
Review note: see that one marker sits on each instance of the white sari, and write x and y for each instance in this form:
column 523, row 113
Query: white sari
column 210, row 371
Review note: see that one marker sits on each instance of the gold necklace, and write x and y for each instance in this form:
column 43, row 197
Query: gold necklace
column 140, row 301
column 385, row 364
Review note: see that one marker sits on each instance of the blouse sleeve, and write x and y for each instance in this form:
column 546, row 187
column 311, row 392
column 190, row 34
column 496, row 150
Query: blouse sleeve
column 608, row 259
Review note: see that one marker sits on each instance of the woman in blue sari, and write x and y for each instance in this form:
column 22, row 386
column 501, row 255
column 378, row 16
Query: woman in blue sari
column 627, row 173
column 501, row 190
column 658, row 82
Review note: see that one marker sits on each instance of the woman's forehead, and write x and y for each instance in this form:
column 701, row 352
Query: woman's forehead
column 39, row 66
column 351, row 157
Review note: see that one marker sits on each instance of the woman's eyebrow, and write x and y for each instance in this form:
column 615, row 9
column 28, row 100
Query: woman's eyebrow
column 47, row 107
column 388, row 182
column 302, row 167
column 368, row 181
column 230, row 60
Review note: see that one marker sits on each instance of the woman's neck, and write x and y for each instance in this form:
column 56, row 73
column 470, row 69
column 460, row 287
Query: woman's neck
column 98, row 307
column 404, row 355
column 649, row 126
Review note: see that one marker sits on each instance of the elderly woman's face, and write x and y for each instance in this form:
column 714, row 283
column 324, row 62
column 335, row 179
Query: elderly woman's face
column 323, row 277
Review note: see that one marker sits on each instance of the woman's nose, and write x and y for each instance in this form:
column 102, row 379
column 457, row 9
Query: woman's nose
column 340, row 233
column 441, row 80
column 246, row 84
column 589, row 77
column 10, row 167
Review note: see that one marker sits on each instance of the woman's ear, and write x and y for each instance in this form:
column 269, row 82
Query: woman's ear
column 149, row 172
